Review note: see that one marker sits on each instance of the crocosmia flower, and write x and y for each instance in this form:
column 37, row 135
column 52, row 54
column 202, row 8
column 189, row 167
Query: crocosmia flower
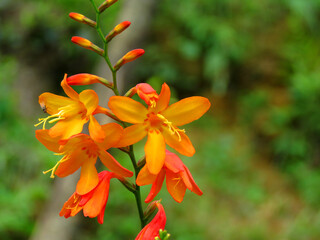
column 151, row 230
column 70, row 113
column 178, row 179
column 82, row 151
column 147, row 94
column 160, row 122
column 93, row 203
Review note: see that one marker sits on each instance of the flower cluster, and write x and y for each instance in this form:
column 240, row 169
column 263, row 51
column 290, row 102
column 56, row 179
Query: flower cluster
column 152, row 117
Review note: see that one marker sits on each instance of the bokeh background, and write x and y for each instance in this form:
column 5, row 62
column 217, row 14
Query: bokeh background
column 258, row 153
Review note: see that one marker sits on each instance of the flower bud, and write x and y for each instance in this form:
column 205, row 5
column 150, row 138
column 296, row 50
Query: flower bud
column 82, row 19
column 117, row 30
column 130, row 56
column 106, row 4
column 147, row 94
column 85, row 43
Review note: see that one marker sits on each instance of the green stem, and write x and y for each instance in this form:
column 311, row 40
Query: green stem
column 137, row 192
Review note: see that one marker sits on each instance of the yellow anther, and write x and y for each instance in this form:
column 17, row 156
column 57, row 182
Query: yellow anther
column 153, row 103
column 52, row 170
column 173, row 130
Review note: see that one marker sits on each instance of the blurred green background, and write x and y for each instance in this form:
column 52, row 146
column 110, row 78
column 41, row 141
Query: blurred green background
column 258, row 153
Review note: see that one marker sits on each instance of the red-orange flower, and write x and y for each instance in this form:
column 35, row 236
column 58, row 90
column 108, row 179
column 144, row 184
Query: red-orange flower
column 82, row 151
column 178, row 179
column 71, row 112
column 160, row 122
column 151, row 230
column 93, row 203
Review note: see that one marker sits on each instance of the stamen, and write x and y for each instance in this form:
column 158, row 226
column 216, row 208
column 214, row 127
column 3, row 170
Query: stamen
column 153, row 103
column 173, row 130
column 52, row 170
column 178, row 179
column 56, row 117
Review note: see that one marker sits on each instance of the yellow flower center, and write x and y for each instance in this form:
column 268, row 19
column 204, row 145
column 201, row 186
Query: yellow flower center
column 158, row 121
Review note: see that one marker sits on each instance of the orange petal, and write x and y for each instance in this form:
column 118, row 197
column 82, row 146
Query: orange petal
column 67, row 127
column 155, row 151
column 132, row 134
column 173, row 162
column 145, row 177
column 195, row 187
column 127, row 109
column 72, row 164
column 90, row 99
column 184, row 146
column 98, row 200
column 175, row 186
column 95, row 130
column 113, row 165
column 113, row 133
column 88, row 177
column 186, row 110
column 164, row 98
column 51, row 103
column 156, row 186
column 69, row 90
column 49, row 142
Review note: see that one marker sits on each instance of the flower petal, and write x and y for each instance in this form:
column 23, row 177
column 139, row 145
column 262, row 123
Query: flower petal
column 88, row 177
column 50, row 143
column 69, row 90
column 164, row 98
column 90, row 100
column 127, row 109
column 132, row 134
column 113, row 133
column 156, row 186
column 72, row 164
column 67, row 127
column 175, row 186
column 173, row 162
column 95, row 130
column 186, row 110
column 184, row 146
column 98, row 200
column 113, row 165
column 51, row 103
column 145, row 177
column 155, row 151
column 195, row 187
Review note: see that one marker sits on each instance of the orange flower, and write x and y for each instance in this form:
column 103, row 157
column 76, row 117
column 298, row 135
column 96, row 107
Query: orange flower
column 93, row 203
column 178, row 179
column 160, row 122
column 151, row 230
column 71, row 112
column 82, row 151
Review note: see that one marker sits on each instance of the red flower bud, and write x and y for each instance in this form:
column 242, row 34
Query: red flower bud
column 117, row 30
column 85, row 43
column 82, row 19
column 130, row 56
column 106, row 4
column 147, row 94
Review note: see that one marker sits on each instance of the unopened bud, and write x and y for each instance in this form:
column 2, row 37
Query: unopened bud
column 147, row 94
column 82, row 19
column 106, row 4
column 86, row 79
column 117, row 30
column 85, row 43
column 130, row 56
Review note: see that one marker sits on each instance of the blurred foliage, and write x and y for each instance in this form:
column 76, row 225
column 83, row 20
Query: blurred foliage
column 258, row 159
